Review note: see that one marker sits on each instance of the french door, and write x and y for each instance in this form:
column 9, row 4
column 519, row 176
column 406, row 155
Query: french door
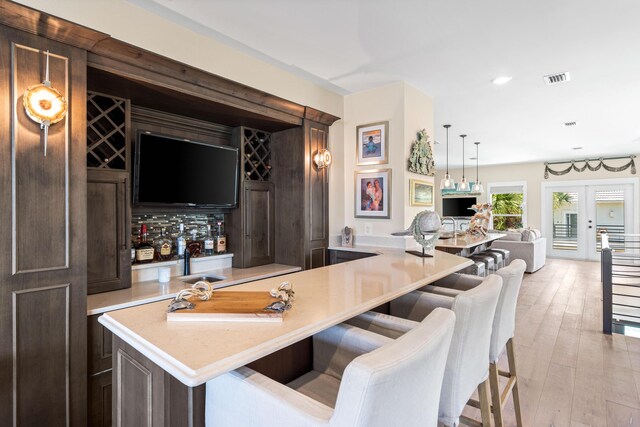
column 574, row 215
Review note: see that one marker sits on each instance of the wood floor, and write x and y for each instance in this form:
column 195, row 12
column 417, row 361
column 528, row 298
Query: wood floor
column 570, row 373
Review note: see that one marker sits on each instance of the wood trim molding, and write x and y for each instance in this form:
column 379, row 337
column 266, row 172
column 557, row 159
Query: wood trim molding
column 42, row 24
column 127, row 60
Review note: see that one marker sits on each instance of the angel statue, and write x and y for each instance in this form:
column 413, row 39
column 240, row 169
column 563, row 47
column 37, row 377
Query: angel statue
column 425, row 229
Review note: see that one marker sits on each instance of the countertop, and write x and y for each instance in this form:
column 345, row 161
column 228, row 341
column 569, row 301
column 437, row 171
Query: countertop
column 152, row 291
column 195, row 352
column 466, row 241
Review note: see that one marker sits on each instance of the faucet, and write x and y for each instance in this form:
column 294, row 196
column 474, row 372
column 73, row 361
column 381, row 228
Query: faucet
column 453, row 221
column 187, row 262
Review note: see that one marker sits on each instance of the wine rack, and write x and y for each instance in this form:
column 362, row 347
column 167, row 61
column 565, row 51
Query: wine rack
column 106, row 131
column 256, row 149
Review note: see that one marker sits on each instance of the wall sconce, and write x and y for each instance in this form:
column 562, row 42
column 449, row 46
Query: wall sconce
column 322, row 158
column 44, row 104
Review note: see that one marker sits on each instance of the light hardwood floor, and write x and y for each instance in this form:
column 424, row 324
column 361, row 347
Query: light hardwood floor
column 570, row 373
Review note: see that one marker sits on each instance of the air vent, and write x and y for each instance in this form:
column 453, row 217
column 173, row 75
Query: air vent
column 568, row 124
column 552, row 79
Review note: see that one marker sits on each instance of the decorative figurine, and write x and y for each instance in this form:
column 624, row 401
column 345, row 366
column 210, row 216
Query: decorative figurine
column 347, row 237
column 479, row 223
column 421, row 158
column 425, row 229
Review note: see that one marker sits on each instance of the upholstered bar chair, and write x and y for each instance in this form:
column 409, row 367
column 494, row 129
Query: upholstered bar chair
column 468, row 361
column 359, row 378
column 504, row 324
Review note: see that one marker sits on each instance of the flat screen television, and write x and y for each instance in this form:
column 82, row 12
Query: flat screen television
column 458, row 206
column 178, row 172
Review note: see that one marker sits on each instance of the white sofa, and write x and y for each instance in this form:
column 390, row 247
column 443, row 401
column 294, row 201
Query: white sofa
column 532, row 249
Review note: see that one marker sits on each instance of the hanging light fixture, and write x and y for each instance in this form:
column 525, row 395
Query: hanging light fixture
column 464, row 185
column 44, row 104
column 477, row 186
column 447, row 183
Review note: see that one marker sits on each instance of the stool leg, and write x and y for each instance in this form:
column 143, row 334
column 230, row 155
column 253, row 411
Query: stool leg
column 512, row 370
column 495, row 395
column 485, row 405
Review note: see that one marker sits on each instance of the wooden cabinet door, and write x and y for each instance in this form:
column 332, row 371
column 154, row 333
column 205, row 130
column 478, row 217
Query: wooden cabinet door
column 259, row 225
column 43, row 336
column 108, row 246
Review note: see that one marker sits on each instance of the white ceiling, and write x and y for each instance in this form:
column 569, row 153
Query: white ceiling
column 452, row 50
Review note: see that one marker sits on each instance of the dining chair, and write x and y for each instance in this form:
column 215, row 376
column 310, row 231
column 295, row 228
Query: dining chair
column 359, row 378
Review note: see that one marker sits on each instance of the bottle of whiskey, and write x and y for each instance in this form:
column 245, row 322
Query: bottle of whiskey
column 208, row 242
column 194, row 245
column 220, row 241
column 163, row 247
column 144, row 250
column 181, row 242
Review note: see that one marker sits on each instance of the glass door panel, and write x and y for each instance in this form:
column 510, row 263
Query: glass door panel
column 565, row 208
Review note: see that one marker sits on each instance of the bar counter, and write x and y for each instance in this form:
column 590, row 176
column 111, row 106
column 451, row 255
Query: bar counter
column 195, row 352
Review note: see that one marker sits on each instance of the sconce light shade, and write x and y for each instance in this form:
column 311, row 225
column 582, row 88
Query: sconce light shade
column 322, row 158
column 44, row 104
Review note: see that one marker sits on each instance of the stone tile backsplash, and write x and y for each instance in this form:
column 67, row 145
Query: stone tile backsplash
column 171, row 221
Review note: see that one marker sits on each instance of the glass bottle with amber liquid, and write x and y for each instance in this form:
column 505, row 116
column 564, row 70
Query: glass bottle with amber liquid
column 220, row 241
column 144, row 250
column 163, row 247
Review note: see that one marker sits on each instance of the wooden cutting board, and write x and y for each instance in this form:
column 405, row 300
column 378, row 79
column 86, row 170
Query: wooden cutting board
column 230, row 306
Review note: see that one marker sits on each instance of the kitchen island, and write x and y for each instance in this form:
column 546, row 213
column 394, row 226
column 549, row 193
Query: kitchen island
column 160, row 366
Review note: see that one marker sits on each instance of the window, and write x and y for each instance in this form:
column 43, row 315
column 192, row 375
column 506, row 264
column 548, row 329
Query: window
column 509, row 206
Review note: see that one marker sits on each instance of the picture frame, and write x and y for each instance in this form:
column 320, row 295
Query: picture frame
column 372, row 144
column 373, row 193
column 420, row 193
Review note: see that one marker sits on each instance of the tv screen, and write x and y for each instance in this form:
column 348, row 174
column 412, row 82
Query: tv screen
column 177, row 172
column 458, row 206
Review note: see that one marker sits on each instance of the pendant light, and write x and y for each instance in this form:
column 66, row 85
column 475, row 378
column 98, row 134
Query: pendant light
column 477, row 186
column 464, row 185
column 447, row 183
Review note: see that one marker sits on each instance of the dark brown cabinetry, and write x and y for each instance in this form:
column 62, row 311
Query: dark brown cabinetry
column 108, row 212
column 108, row 248
column 302, row 196
column 338, row 256
column 43, row 347
column 99, row 365
column 251, row 227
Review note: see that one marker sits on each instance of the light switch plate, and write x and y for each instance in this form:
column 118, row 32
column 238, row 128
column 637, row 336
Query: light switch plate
column 368, row 228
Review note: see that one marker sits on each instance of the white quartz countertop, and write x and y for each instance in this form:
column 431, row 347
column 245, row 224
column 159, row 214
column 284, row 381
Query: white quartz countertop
column 195, row 352
column 151, row 291
column 466, row 241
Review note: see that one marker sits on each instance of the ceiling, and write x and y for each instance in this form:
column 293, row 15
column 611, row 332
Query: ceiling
column 452, row 50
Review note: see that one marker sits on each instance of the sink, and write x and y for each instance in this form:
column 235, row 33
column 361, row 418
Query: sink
column 193, row 280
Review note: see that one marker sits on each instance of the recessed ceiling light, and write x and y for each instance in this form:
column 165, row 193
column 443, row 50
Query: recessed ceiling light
column 577, row 148
column 501, row 80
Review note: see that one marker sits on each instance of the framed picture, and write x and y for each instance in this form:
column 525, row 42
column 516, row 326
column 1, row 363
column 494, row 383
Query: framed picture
column 373, row 193
column 373, row 144
column 421, row 193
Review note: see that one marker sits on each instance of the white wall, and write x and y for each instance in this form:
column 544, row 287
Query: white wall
column 407, row 110
column 533, row 174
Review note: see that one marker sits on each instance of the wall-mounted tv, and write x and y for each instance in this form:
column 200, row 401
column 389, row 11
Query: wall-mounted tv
column 176, row 172
column 457, row 206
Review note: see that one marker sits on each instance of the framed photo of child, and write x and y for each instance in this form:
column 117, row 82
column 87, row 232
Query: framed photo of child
column 373, row 193
column 372, row 147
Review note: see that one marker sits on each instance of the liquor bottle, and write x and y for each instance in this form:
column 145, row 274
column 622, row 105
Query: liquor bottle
column 194, row 245
column 144, row 250
column 163, row 247
column 220, row 241
column 208, row 242
column 181, row 242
